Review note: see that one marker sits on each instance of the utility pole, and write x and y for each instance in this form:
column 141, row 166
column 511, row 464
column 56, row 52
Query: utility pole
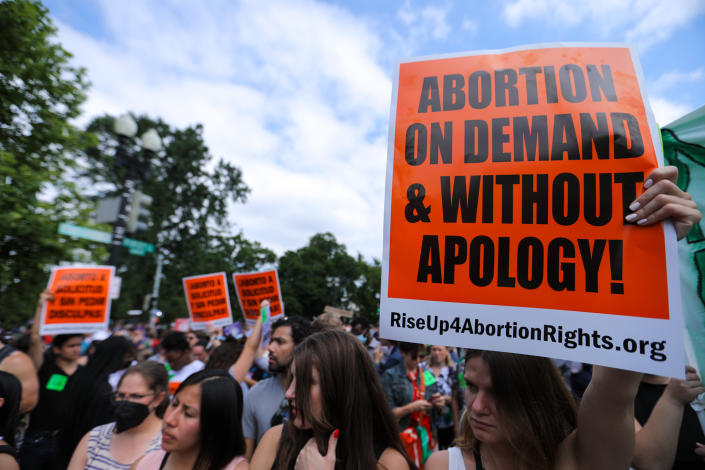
column 126, row 129
column 155, row 290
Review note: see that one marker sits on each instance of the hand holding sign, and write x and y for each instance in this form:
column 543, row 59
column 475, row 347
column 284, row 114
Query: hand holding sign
column 663, row 200
column 265, row 310
column 36, row 345
column 249, row 351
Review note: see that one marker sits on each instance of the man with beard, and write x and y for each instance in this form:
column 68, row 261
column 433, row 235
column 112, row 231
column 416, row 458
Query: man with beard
column 265, row 405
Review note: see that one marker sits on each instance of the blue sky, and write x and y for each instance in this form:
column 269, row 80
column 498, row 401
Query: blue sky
column 297, row 93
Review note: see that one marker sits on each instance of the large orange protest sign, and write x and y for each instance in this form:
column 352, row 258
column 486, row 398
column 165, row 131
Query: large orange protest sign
column 510, row 175
column 80, row 303
column 254, row 287
column 208, row 300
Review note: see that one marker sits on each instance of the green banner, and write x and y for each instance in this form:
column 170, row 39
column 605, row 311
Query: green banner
column 684, row 147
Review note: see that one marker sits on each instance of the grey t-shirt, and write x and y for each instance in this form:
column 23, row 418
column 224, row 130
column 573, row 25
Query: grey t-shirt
column 262, row 402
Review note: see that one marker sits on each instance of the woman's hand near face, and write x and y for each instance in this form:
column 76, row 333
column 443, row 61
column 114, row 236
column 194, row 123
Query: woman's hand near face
column 311, row 459
column 662, row 199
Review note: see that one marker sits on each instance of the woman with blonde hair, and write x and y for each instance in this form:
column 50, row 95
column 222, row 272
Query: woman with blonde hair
column 442, row 367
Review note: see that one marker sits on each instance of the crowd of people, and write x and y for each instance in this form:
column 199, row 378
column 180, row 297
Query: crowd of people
column 327, row 395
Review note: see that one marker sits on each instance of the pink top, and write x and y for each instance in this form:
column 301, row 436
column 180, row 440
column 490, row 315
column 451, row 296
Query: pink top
column 153, row 460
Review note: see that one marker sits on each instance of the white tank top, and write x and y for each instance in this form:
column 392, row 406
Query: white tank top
column 455, row 459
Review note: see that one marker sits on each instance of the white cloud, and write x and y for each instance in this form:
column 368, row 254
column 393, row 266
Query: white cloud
column 469, row 25
column 661, row 19
column 666, row 111
column 424, row 23
column 675, row 78
column 292, row 92
column 644, row 22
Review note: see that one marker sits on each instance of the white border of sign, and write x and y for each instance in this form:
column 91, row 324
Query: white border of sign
column 203, row 325
column 63, row 328
column 279, row 291
column 641, row 330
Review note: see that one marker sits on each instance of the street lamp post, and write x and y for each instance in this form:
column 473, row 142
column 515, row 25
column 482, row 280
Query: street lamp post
column 126, row 129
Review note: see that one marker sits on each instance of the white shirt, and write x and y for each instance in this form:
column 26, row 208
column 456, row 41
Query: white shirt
column 183, row 373
column 455, row 459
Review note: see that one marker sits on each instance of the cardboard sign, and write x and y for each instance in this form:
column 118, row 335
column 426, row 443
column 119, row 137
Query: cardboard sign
column 509, row 177
column 253, row 288
column 234, row 330
column 208, row 301
column 81, row 300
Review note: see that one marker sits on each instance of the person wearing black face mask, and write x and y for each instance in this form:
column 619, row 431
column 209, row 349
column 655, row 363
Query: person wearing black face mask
column 140, row 401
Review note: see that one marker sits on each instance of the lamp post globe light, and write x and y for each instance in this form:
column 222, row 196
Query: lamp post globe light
column 151, row 141
column 126, row 129
column 125, row 126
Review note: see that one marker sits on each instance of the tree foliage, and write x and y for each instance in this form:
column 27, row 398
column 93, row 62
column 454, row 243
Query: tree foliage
column 40, row 92
column 366, row 296
column 324, row 273
column 191, row 193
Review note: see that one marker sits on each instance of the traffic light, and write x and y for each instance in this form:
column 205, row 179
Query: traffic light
column 139, row 214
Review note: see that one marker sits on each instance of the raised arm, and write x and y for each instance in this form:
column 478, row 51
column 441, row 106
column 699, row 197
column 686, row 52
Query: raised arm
column 249, row 352
column 657, row 440
column 604, row 437
column 36, row 345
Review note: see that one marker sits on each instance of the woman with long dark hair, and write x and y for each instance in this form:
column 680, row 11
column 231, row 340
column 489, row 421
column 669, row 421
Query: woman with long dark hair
column 339, row 415
column 202, row 427
column 88, row 402
column 10, row 397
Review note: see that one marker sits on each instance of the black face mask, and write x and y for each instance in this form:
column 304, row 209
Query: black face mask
column 129, row 414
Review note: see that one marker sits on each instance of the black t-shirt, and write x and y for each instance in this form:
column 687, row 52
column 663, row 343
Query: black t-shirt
column 690, row 431
column 53, row 383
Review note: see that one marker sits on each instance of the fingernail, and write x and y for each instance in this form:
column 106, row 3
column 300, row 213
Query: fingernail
column 335, row 433
column 648, row 183
column 634, row 206
column 642, row 222
column 630, row 217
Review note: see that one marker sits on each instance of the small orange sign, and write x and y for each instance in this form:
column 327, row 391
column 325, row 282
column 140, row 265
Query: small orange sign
column 253, row 288
column 81, row 301
column 208, row 300
column 512, row 177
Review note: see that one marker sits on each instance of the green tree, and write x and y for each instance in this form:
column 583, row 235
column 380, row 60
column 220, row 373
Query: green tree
column 323, row 273
column 189, row 214
column 367, row 294
column 40, row 92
